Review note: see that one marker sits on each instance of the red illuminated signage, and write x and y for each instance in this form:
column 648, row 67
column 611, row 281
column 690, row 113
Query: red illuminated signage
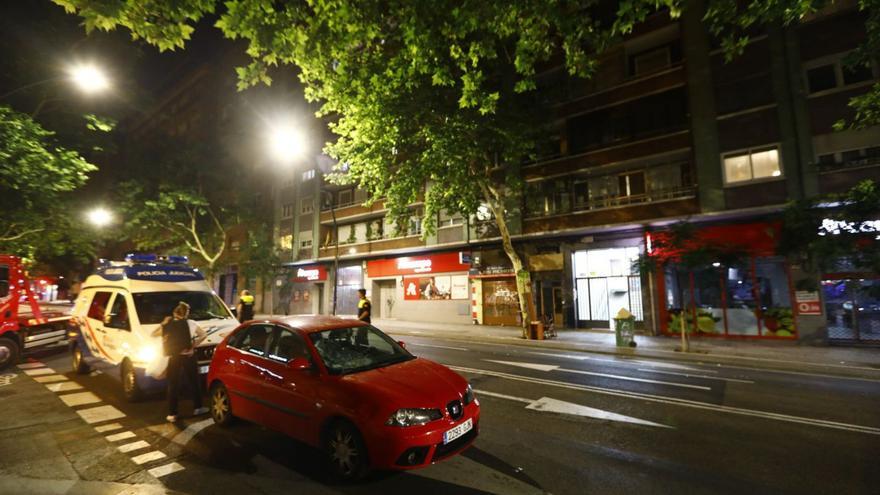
column 417, row 265
column 309, row 273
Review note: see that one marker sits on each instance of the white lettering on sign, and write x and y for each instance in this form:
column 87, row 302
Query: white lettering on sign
column 835, row 227
column 313, row 274
column 418, row 266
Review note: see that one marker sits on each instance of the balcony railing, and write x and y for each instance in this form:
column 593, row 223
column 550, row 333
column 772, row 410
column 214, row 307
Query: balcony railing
column 619, row 201
column 868, row 161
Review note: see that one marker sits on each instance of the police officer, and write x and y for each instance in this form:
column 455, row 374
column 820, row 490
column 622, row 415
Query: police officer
column 180, row 336
column 245, row 306
column 364, row 306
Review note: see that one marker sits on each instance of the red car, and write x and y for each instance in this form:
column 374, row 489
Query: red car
column 343, row 386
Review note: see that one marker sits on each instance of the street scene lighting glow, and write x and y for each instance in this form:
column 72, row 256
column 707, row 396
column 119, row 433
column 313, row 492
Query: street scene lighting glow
column 99, row 217
column 89, row 78
column 286, row 143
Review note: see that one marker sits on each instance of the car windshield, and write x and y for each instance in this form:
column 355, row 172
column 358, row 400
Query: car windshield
column 153, row 307
column 350, row 350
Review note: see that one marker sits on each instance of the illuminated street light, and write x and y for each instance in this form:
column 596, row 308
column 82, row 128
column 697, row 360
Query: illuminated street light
column 286, row 143
column 89, row 78
column 100, row 217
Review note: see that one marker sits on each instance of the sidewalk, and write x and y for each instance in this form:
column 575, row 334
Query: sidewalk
column 846, row 361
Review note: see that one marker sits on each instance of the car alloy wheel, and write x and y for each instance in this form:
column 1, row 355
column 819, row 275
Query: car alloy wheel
column 79, row 366
column 130, row 386
column 348, row 453
column 221, row 410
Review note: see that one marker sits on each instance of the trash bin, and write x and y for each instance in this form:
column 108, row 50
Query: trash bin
column 624, row 329
column 536, row 330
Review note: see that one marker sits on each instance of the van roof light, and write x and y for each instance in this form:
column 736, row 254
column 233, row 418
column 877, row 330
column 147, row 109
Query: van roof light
column 141, row 258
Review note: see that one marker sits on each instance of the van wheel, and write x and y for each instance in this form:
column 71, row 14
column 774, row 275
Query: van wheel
column 9, row 352
column 79, row 364
column 347, row 451
column 130, row 387
column 221, row 407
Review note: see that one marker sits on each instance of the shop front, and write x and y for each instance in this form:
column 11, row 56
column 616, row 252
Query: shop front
column 430, row 287
column 349, row 279
column 307, row 290
column 606, row 282
column 749, row 295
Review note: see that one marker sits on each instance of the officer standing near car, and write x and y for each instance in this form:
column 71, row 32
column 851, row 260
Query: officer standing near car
column 365, row 308
column 245, row 306
column 180, row 336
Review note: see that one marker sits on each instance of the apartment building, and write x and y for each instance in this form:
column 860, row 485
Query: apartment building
column 666, row 131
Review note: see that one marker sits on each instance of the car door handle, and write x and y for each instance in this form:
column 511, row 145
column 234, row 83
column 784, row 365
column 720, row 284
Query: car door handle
column 99, row 329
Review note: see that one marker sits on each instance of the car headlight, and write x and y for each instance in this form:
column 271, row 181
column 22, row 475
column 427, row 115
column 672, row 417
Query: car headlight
column 468, row 395
column 147, row 353
column 413, row 417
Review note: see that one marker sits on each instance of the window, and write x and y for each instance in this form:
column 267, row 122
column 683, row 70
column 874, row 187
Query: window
column 286, row 346
column 631, row 184
column 651, row 61
column 287, row 210
column 252, row 339
column 306, row 206
column 308, row 175
column 286, row 241
column 752, row 165
column 831, row 72
column 99, row 305
column 119, row 314
column 351, row 350
column 344, row 198
column 305, row 239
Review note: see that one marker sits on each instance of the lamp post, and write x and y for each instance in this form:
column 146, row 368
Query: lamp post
column 99, row 217
column 87, row 77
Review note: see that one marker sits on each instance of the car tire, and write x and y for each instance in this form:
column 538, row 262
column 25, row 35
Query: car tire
column 130, row 387
column 347, row 451
column 221, row 406
column 80, row 366
column 9, row 352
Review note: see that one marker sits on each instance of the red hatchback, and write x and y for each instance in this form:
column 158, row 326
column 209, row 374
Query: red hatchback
column 345, row 387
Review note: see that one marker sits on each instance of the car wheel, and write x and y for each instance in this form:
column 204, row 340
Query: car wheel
column 221, row 407
column 130, row 387
column 9, row 352
column 347, row 451
column 79, row 364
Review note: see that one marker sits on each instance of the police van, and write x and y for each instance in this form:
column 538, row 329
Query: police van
column 120, row 306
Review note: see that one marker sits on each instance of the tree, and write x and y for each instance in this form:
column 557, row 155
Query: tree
column 437, row 93
column 35, row 174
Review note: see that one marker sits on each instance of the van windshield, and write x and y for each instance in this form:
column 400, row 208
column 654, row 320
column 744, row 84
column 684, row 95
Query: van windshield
column 153, row 307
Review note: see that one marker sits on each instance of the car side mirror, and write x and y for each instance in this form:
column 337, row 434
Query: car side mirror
column 401, row 343
column 299, row 363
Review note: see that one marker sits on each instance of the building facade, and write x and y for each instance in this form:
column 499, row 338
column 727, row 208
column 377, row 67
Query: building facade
column 667, row 130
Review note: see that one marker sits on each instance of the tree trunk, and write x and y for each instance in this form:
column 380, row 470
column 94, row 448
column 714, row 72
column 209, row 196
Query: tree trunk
column 523, row 277
column 684, row 338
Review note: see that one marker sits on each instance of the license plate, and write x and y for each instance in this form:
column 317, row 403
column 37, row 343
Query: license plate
column 203, row 369
column 458, row 431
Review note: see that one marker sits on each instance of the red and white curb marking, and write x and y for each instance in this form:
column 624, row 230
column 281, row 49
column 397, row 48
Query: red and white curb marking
column 100, row 416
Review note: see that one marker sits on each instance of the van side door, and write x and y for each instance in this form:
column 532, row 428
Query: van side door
column 117, row 324
column 94, row 333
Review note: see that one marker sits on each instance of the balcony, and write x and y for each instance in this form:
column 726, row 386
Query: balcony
column 867, row 161
column 617, row 201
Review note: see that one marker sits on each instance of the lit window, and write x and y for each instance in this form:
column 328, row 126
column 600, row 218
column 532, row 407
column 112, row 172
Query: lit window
column 752, row 165
column 308, row 175
column 286, row 241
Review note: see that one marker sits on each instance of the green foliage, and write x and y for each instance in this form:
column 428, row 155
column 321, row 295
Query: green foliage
column 804, row 238
column 36, row 175
column 99, row 124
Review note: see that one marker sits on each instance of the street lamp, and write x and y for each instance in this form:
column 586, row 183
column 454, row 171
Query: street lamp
column 89, row 78
column 286, row 143
column 100, row 217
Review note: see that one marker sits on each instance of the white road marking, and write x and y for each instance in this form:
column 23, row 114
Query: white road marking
column 79, row 399
column 6, row 379
column 120, row 436
column 691, row 375
column 546, row 404
column 165, row 470
column 39, row 371
column 677, row 402
column 30, row 366
column 437, row 346
column 148, row 457
column 131, row 447
column 100, row 414
column 192, row 430
column 63, row 386
column 547, row 367
column 50, row 378
column 110, row 427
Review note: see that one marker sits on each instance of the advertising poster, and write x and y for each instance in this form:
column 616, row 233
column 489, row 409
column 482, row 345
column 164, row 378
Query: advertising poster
column 296, row 296
column 459, row 287
column 435, row 288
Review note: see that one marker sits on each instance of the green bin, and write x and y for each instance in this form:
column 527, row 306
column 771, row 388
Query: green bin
column 624, row 329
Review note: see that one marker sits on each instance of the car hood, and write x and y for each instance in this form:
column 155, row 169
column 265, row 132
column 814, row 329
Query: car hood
column 217, row 329
column 414, row 383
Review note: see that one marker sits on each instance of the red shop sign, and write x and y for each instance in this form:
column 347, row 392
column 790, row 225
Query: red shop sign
column 417, row 265
column 310, row 273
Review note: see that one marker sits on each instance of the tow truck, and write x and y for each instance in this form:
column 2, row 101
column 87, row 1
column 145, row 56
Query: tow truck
column 23, row 331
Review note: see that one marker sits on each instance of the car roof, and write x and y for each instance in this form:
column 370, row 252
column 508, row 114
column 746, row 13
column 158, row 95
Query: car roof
column 316, row 323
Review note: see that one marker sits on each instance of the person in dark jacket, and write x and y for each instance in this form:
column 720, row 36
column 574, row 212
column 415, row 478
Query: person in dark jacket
column 245, row 306
column 180, row 336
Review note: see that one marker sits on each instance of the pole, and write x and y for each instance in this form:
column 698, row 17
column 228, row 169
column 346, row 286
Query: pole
column 336, row 245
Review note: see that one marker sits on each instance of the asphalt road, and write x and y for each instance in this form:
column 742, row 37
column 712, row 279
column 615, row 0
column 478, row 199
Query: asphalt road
column 564, row 423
